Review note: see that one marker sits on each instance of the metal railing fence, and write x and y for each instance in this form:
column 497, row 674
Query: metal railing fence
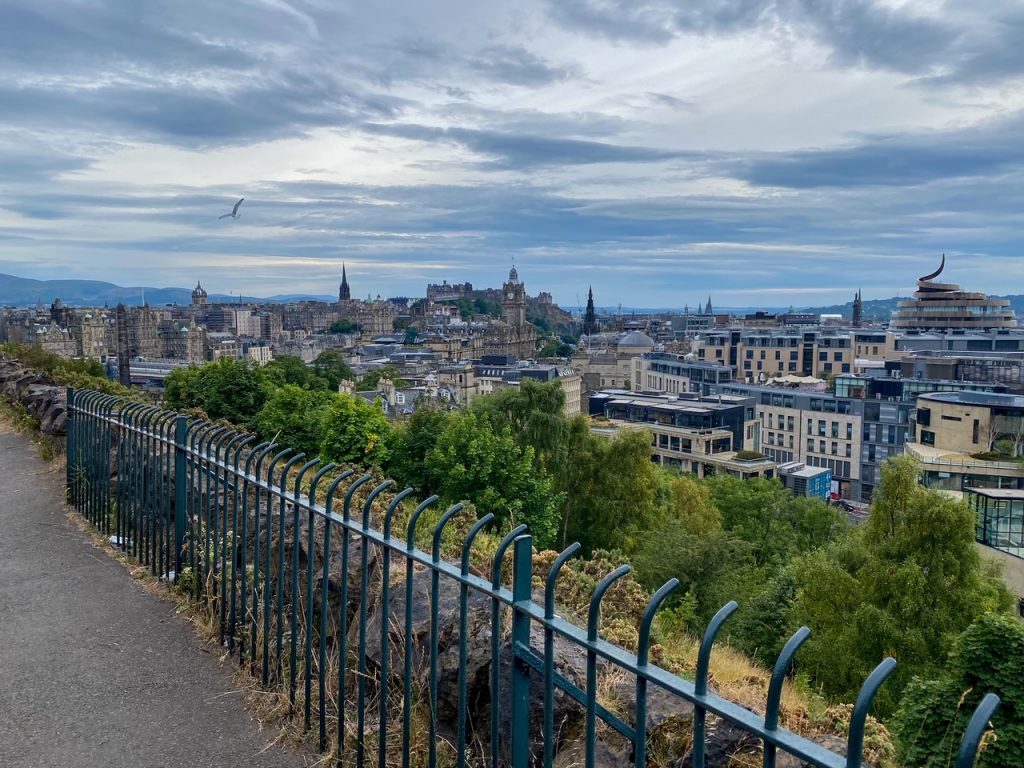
column 321, row 604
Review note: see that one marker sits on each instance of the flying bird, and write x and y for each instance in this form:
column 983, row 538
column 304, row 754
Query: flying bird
column 234, row 211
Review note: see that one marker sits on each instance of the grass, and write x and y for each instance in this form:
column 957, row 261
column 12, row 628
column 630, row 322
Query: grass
column 16, row 418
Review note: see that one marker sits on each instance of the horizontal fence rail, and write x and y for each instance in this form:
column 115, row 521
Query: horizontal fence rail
column 387, row 652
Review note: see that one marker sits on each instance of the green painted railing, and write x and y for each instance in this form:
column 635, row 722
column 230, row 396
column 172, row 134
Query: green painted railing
column 200, row 505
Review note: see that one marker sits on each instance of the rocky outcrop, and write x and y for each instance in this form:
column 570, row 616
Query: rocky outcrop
column 45, row 400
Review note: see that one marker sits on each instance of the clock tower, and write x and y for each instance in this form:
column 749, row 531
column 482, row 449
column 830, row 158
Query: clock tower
column 513, row 300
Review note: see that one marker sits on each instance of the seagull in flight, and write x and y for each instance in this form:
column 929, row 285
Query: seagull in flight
column 234, row 211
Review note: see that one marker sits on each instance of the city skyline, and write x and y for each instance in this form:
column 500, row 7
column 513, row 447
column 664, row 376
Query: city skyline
column 770, row 154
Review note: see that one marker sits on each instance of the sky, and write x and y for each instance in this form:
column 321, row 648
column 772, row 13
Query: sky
column 762, row 152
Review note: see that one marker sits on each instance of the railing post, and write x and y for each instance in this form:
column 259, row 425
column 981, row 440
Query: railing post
column 519, row 708
column 180, row 491
column 72, row 454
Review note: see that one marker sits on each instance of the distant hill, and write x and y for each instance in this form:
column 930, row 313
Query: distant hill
column 874, row 309
column 23, row 291
column 882, row 309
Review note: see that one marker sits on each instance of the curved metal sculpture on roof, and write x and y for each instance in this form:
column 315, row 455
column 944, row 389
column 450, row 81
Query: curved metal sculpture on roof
column 934, row 274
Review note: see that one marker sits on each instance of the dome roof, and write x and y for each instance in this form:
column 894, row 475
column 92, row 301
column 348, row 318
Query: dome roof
column 636, row 339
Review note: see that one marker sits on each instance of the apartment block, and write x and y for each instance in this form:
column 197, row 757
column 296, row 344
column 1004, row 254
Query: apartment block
column 758, row 354
column 697, row 436
column 672, row 374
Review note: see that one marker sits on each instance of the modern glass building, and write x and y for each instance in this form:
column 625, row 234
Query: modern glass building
column 1000, row 518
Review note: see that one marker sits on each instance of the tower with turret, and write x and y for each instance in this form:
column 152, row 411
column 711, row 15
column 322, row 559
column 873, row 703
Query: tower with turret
column 858, row 310
column 199, row 296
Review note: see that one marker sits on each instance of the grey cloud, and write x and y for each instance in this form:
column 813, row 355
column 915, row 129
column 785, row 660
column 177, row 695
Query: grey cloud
column 517, row 66
column 515, row 151
column 289, row 103
column 680, row 105
column 37, row 165
column 937, row 49
column 51, row 36
column 905, row 160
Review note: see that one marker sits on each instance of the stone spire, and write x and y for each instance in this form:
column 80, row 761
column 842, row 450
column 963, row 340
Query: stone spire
column 344, row 293
column 708, row 310
column 590, row 319
column 858, row 310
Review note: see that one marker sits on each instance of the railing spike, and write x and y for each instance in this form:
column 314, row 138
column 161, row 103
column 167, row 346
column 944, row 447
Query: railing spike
column 858, row 720
column 467, row 545
column 976, row 730
column 556, row 567
column 701, row 680
column 779, row 672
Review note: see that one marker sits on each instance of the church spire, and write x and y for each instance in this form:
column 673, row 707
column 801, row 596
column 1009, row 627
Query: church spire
column 708, row 310
column 344, row 293
column 590, row 319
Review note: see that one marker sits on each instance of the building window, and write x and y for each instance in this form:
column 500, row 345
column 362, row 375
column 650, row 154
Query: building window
column 974, row 434
column 849, row 451
column 927, row 437
column 821, row 427
column 821, row 446
column 846, row 367
column 794, row 356
column 835, row 448
column 778, row 355
column 822, row 356
column 810, row 444
column 835, row 429
column 837, row 356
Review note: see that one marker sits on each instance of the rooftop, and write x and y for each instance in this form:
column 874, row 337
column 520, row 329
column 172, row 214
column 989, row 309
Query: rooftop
column 990, row 399
column 999, row 493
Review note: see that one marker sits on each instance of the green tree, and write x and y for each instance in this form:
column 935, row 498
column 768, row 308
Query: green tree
column 700, row 562
column 355, row 432
column 228, row 389
column 411, row 334
column 332, row 368
column 610, row 488
column 411, row 443
column 534, row 412
column 778, row 524
column 294, row 417
column 905, row 585
column 343, row 325
column 290, row 369
column 472, row 462
column 400, row 323
column 554, row 348
column 692, row 506
column 988, row 657
column 181, row 388
column 764, row 625
column 368, row 383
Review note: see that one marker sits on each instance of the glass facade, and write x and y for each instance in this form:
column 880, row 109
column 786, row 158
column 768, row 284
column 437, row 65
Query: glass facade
column 1000, row 518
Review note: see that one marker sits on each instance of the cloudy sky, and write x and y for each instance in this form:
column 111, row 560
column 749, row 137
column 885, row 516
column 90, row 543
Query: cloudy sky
column 768, row 152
